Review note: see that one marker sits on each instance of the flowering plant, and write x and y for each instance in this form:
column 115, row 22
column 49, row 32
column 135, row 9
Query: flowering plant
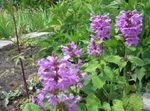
column 110, row 78
column 58, row 77
column 129, row 25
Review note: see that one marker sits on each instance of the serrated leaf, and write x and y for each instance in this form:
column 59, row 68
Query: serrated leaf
column 91, row 66
column 97, row 82
column 135, row 60
column 81, row 107
column 31, row 107
column 88, row 89
column 116, row 60
column 111, row 43
column 132, row 48
column 92, row 103
column 108, row 72
column 106, row 106
column 139, row 73
column 131, row 105
column 117, row 105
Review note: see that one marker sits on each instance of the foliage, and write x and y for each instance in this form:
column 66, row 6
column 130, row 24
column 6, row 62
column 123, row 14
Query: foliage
column 27, row 21
column 31, row 107
column 130, row 104
column 11, row 95
column 29, row 3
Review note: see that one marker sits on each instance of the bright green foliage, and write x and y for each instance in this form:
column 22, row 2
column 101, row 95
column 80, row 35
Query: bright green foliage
column 92, row 103
column 136, row 61
column 108, row 72
column 81, row 107
column 116, row 59
column 117, row 105
column 31, row 107
column 97, row 82
column 133, row 103
column 106, row 106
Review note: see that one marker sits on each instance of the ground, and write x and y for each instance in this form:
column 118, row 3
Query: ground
column 10, row 74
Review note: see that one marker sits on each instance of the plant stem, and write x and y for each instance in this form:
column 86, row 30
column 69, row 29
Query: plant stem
column 111, row 89
column 125, row 57
column 19, row 51
column 125, row 70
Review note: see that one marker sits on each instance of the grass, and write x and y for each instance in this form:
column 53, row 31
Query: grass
column 6, row 25
column 70, row 16
column 28, row 20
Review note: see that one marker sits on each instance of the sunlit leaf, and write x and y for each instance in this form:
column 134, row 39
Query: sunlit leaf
column 92, row 103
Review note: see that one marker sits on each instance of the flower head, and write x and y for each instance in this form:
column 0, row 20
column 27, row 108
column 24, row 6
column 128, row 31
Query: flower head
column 56, row 76
column 100, row 25
column 52, row 99
column 93, row 48
column 129, row 25
column 71, row 51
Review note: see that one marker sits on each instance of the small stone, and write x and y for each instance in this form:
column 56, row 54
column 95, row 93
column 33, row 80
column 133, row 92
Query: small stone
column 146, row 102
column 5, row 43
column 36, row 34
column 33, row 35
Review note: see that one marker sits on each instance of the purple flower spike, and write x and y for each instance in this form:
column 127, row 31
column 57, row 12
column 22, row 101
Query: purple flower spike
column 100, row 25
column 71, row 51
column 52, row 99
column 93, row 48
column 56, row 77
column 129, row 25
column 71, row 107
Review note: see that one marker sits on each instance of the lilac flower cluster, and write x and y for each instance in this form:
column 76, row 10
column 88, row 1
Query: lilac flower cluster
column 93, row 48
column 100, row 25
column 71, row 51
column 57, row 77
column 129, row 25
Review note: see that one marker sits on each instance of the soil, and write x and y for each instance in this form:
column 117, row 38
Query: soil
column 10, row 73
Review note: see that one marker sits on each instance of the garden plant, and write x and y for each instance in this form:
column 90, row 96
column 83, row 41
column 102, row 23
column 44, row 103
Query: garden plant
column 96, row 59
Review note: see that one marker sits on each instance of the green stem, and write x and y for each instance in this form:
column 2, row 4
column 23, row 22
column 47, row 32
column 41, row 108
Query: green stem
column 110, row 93
column 125, row 70
column 111, row 89
column 125, row 56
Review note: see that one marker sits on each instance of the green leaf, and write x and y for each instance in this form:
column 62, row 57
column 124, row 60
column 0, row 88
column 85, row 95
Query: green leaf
column 139, row 73
column 121, row 80
column 110, row 43
column 117, row 105
column 91, row 66
column 31, row 107
column 131, row 105
column 108, row 72
column 81, row 107
column 118, row 37
column 131, row 48
column 116, row 60
column 88, row 89
column 106, row 106
column 92, row 103
column 135, row 60
column 98, row 41
column 97, row 82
